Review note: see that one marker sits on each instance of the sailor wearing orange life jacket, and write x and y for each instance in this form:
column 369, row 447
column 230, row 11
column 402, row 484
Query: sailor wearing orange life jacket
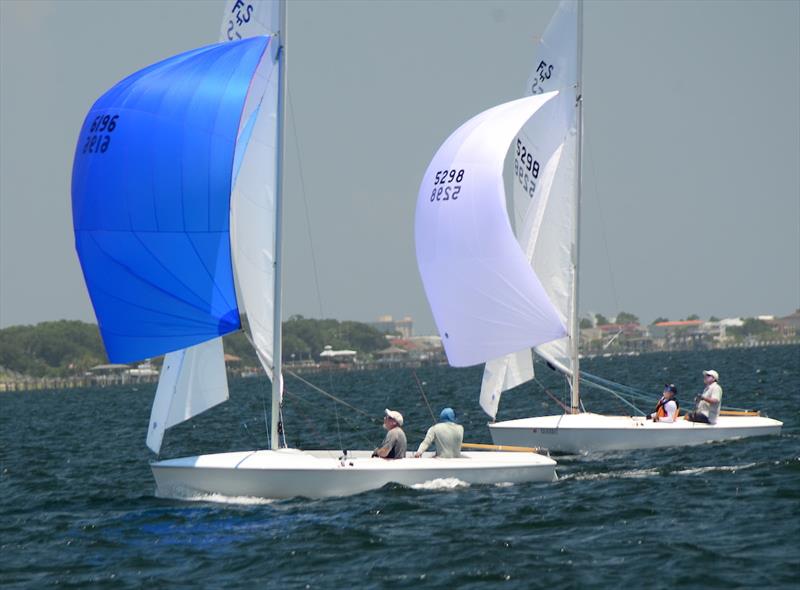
column 667, row 406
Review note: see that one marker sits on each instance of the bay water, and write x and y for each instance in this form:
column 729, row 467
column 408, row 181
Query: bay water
column 78, row 505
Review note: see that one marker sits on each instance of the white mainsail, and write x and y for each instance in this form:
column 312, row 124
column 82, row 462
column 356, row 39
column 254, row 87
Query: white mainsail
column 485, row 298
column 253, row 208
column 545, row 199
column 252, row 234
column 192, row 381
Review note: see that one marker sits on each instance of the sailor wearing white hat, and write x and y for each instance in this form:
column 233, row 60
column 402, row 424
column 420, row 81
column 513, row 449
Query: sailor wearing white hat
column 710, row 401
column 394, row 445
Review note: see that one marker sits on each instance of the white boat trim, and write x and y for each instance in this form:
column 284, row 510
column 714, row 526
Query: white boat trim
column 586, row 432
column 288, row 473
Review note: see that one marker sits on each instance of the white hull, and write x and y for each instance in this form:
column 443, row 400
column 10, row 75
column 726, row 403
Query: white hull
column 573, row 433
column 287, row 473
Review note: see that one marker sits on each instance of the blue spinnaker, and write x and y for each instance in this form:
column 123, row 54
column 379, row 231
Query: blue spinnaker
column 151, row 189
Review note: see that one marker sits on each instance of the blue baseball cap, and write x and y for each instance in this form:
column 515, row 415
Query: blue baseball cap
column 447, row 415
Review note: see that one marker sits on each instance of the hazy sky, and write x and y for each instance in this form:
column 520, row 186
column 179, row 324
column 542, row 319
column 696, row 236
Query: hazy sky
column 692, row 143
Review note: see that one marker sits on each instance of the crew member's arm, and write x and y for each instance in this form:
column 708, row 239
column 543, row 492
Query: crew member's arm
column 385, row 448
column 381, row 452
column 428, row 441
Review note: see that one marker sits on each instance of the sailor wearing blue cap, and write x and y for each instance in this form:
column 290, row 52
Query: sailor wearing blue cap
column 446, row 435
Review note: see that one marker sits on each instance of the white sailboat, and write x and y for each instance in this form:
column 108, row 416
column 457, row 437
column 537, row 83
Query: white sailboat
column 178, row 243
column 545, row 216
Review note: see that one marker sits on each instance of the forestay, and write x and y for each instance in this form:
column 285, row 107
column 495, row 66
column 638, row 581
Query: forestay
column 545, row 199
column 485, row 298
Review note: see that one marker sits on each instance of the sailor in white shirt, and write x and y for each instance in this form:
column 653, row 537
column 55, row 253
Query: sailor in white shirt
column 710, row 401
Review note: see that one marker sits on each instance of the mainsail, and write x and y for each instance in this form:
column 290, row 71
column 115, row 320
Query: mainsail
column 255, row 181
column 252, row 225
column 485, row 298
column 545, row 200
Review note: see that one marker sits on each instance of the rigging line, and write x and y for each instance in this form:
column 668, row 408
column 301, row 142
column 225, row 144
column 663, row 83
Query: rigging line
column 621, row 388
column 552, row 397
column 642, row 398
column 595, row 183
column 617, row 395
column 333, row 397
column 305, row 201
column 425, row 397
column 611, row 340
column 303, row 414
column 263, row 393
column 247, row 430
column 281, row 423
column 296, row 397
column 338, row 427
column 266, row 421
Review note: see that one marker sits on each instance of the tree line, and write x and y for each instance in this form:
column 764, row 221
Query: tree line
column 67, row 347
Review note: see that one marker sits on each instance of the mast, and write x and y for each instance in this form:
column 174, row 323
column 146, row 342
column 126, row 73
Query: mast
column 277, row 379
column 575, row 399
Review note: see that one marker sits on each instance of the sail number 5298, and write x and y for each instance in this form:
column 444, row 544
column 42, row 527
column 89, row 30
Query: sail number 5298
column 526, row 168
column 445, row 185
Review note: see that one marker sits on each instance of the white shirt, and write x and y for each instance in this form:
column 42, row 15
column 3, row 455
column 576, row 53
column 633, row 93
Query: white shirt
column 711, row 411
column 670, row 408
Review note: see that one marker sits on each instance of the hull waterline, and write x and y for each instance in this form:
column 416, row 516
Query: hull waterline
column 575, row 433
column 288, row 473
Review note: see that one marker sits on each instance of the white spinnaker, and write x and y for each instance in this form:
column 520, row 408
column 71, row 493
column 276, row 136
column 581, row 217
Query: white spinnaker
column 192, row 381
column 484, row 295
column 544, row 198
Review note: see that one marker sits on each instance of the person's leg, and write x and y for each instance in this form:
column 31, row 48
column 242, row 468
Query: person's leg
column 697, row 417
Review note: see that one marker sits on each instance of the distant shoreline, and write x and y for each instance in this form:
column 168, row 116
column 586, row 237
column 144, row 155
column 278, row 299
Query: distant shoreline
column 54, row 384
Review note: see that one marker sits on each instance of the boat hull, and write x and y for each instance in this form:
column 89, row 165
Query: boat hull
column 574, row 433
column 288, row 473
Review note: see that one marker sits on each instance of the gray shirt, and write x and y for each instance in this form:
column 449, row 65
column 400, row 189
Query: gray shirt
column 395, row 441
column 448, row 438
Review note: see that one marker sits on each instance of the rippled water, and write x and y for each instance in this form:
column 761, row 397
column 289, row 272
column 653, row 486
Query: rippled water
column 77, row 504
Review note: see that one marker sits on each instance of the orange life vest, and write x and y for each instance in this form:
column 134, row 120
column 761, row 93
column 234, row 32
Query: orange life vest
column 662, row 413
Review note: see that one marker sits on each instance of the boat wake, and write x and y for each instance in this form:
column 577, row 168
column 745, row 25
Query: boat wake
column 631, row 474
column 699, row 470
column 443, row 483
column 194, row 496
column 642, row 473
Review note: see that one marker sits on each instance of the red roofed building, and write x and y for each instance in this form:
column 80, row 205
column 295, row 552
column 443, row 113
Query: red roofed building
column 682, row 334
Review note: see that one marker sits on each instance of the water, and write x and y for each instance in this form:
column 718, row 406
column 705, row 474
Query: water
column 77, row 504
